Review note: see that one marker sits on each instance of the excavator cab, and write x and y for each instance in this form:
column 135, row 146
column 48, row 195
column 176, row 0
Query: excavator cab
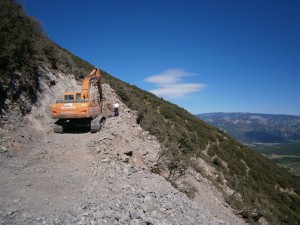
column 71, row 96
column 68, row 96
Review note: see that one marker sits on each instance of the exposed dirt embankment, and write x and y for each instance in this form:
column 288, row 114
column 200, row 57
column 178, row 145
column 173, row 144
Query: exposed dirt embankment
column 84, row 178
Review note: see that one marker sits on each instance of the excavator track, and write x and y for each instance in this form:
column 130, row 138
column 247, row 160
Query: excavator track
column 58, row 129
column 97, row 123
column 58, row 126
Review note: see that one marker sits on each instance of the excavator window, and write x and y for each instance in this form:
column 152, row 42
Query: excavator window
column 77, row 96
column 69, row 97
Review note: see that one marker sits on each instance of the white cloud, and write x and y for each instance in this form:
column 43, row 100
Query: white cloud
column 177, row 90
column 169, row 76
column 169, row 84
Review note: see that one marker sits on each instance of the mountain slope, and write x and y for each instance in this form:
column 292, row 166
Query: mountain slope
column 189, row 147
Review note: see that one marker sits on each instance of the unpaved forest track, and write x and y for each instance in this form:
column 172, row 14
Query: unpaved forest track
column 54, row 174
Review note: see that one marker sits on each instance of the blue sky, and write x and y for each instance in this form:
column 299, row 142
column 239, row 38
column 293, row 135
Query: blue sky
column 205, row 56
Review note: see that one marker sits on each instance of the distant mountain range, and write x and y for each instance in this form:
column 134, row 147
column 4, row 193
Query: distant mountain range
column 255, row 128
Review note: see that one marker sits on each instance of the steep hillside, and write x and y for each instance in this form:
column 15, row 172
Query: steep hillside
column 84, row 178
column 251, row 128
column 190, row 149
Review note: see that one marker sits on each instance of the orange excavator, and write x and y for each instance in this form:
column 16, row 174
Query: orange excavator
column 80, row 109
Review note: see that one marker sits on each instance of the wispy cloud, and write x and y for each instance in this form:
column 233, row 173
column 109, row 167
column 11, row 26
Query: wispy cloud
column 169, row 84
column 169, row 76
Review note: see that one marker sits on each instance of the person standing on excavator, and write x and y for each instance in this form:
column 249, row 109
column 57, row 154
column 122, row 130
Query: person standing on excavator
column 116, row 109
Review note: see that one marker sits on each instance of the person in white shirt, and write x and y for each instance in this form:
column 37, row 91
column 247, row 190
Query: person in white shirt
column 116, row 109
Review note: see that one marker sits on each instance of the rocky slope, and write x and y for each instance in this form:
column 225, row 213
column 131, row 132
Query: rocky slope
column 84, row 178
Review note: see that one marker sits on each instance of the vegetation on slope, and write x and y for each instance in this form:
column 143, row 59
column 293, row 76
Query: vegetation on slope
column 260, row 188
column 18, row 51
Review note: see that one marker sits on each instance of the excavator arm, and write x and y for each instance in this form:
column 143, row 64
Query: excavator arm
column 92, row 78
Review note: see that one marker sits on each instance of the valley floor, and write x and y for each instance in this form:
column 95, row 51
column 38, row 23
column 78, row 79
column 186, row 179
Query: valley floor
column 284, row 155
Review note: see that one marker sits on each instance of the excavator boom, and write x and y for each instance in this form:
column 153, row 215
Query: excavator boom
column 92, row 78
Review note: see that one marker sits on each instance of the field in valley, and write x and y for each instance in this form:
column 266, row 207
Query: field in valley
column 285, row 155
